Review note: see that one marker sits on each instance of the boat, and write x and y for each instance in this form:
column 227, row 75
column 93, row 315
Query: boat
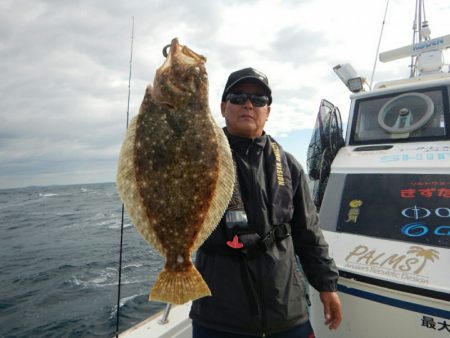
column 384, row 202
column 385, row 211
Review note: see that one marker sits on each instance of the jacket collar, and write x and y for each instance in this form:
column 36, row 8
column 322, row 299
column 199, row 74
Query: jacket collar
column 237, row 142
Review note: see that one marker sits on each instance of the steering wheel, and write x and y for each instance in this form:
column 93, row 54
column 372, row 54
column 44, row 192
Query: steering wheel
column 398, row 114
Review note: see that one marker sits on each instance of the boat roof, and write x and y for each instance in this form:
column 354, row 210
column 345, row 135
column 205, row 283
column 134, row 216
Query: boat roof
column 415, row 83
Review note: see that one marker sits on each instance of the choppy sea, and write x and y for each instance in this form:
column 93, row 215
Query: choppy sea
column 59, row 263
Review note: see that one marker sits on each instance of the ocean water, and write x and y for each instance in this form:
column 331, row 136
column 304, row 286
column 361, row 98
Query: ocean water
column 59, row 263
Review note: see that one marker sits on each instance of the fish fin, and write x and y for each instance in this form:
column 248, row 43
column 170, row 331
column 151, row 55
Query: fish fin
column 224, row 188
column 179, row 287
column 127, row 183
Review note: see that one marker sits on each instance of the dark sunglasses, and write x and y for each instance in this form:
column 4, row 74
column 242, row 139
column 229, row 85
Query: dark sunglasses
column 241, row 98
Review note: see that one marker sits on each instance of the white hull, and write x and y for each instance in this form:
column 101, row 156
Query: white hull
column 177, row 326
column 372, row 312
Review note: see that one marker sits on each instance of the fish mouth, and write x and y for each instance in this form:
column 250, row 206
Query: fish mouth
column 181, row 75
column 183, row 53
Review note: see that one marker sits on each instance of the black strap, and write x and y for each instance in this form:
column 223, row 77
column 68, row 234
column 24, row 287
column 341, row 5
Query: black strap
column 251, row 251
column 277, row 233
column 279, row 182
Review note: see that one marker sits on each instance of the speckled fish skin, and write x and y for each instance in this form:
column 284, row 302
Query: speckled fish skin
column 175, row 173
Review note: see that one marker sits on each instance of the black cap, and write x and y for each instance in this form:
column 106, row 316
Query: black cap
column 247, row 75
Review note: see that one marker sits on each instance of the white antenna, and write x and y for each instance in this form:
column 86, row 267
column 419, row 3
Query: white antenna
column 417, row 35
column 379, row 42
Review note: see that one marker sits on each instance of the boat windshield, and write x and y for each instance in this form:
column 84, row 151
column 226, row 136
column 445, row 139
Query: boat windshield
column 422, row 115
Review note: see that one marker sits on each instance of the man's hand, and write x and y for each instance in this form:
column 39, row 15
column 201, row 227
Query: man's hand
column 331, row 309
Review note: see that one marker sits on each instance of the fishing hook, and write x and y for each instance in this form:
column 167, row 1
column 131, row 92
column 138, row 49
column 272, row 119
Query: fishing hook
column 165, row 53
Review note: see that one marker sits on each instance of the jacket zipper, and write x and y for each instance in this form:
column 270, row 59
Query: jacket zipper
column 263, row 308
column 252, row 156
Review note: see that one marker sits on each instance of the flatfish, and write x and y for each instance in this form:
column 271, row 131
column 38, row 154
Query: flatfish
column 175, row 172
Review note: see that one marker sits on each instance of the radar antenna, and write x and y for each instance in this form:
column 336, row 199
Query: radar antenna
column 427, row 54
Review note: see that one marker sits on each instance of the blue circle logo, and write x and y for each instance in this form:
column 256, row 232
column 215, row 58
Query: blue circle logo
column 415, row 229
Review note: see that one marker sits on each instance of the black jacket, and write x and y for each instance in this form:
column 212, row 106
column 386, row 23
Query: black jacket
column 265, row 294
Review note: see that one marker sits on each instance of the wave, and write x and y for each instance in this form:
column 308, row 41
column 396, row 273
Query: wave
column 47, row 194
column 122, row 303
column 106, row 278
column 124, row 300
column 133, row 266
column 117, row 226
column 71, row 264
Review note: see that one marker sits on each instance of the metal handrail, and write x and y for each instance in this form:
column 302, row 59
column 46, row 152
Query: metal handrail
column 165, row 317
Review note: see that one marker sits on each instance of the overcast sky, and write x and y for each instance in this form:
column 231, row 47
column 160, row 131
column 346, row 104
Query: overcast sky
column 65, row 65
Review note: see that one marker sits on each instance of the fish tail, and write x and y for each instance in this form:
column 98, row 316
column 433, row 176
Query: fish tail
column 179, row 287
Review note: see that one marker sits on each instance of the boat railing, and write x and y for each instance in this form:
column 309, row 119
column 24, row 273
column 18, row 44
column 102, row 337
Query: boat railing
column 165, row 316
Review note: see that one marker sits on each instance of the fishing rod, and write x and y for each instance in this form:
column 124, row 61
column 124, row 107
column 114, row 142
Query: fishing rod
column 123, row 206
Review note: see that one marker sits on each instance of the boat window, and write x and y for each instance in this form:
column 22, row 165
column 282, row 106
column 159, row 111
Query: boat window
column 415, row 116
column 406, row 207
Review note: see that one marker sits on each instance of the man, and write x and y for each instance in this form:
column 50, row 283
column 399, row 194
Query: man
column 249, row 261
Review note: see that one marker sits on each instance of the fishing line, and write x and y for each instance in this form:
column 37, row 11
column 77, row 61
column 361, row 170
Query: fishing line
column 123, row 207
column 379, row 42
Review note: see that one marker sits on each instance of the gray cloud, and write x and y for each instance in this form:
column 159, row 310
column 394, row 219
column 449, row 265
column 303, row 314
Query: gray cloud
column 65, row 81
column 65, row 67
column 297, row 45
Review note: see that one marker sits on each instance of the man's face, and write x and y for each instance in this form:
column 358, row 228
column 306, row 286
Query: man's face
column 245, row 120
